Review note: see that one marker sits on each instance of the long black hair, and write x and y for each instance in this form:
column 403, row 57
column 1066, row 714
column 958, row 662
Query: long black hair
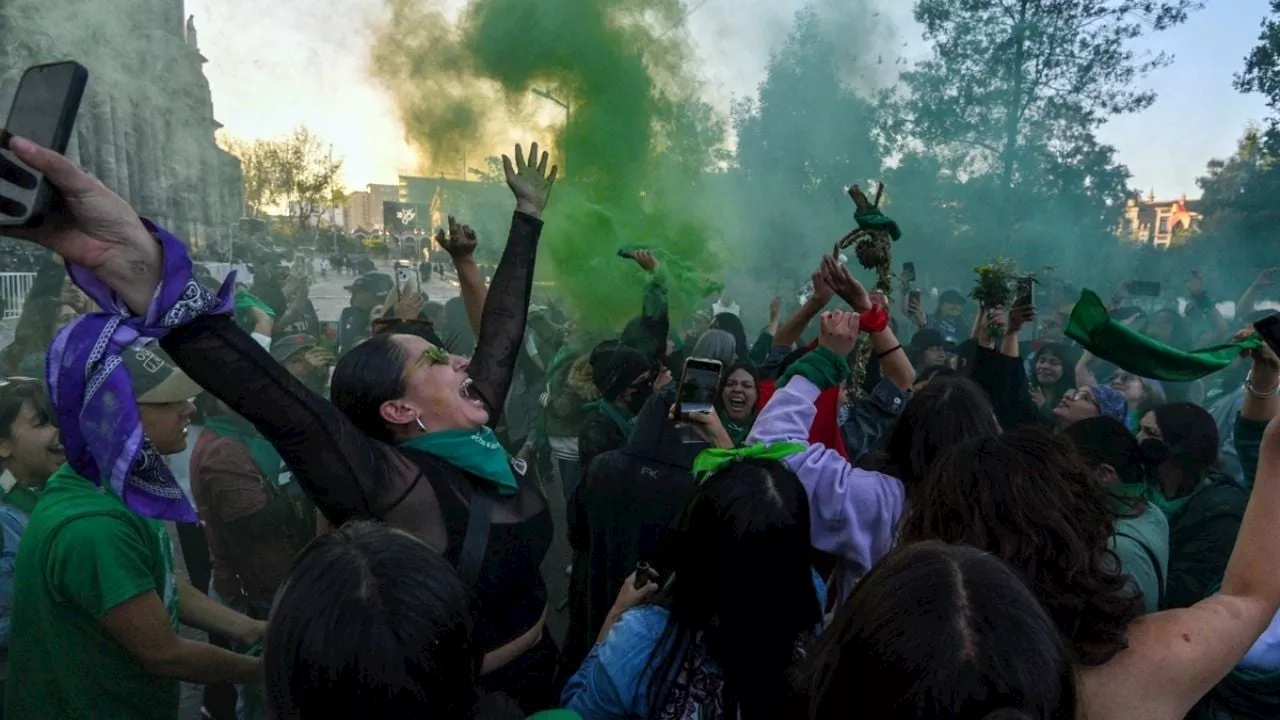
column 743, row 582
column 373, row 623
column 947, row 411
column 938, row 632
column 367, row 376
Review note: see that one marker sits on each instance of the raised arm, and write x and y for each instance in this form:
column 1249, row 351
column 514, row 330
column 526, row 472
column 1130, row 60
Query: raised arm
column 461, row 246
column 1175, row 657
column 506, row 309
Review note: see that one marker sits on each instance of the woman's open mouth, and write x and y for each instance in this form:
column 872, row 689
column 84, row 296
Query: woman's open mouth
column 737, row 403
column 466, row 391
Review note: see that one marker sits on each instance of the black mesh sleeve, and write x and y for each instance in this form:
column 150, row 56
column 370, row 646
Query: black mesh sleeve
column 506, row 311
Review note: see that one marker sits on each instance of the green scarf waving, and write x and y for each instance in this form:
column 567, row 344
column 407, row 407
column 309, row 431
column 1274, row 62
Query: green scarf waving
column 1130, row 350
column 477, row 452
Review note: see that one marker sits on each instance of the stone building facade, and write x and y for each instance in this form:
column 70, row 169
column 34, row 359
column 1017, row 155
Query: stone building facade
column 146, row 126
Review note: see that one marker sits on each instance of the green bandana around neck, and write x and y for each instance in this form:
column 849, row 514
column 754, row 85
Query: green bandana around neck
column 477, row 452
column 246, row 301
column 234, row 427
column 737, row 433
column 1093, row 328
column 1170, row 507
column 625, row 421
column 819, row 366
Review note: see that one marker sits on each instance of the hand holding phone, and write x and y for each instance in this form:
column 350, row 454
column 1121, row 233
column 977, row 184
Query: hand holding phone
column 1269, row 329
column 44, row 112
column 698, row 385
column 908, row 272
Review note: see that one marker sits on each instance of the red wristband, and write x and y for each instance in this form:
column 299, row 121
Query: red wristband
column 874, row 320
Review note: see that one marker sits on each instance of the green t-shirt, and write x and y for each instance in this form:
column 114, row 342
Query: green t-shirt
column 83, row 554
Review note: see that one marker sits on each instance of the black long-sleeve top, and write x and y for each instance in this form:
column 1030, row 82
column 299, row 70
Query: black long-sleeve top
column 351, row 476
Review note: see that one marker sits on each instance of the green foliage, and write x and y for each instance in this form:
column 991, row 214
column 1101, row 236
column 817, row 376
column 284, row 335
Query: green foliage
column 801, row 140
column 996, row 282
column 295, row 173
column 996, row 128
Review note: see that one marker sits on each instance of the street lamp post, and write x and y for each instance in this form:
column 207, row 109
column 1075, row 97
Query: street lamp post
column 568, row 116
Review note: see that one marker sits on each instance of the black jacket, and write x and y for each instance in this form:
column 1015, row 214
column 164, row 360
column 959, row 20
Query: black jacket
column 620, row 515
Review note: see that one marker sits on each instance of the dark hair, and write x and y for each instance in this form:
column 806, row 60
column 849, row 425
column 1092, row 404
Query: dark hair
column 370, row 622
column 33, row 332
column 947, row 411
column 937, row 371
column 939, row 631
column 1029, row 499
column 18, row 391
column 1105, row 441
column 743, row 580
column 367, row 376
column 732, row 324
column 1190, row 436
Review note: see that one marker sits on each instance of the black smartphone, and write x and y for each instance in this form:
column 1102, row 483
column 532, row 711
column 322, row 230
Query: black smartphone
column 698, row 384
column 914, row 297
column 909, row 272
column 1269, row 328
column 44, row 111
column 1143, row 288
column 1026, row 291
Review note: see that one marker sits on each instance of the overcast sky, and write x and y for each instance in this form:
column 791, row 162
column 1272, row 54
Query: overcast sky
column 275, row 64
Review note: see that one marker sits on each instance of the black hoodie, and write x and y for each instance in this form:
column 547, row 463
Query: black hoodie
column 620, row 515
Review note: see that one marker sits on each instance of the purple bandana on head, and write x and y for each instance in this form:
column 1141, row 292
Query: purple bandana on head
column 92, row 392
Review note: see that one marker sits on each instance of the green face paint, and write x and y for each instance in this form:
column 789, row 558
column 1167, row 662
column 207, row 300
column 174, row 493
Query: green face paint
column 430, row 357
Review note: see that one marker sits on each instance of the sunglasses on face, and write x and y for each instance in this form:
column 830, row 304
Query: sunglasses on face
column 1083, row 395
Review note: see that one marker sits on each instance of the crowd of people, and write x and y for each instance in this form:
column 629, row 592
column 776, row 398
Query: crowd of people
column 1078, row 525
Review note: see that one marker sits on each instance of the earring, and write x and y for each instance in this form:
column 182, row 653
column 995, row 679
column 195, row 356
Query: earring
column 421, row 427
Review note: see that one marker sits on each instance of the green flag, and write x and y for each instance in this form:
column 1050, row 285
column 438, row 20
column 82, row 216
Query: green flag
column 1130, row 350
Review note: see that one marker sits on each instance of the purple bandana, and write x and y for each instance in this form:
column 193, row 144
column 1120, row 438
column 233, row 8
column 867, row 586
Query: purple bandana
column 92, row 392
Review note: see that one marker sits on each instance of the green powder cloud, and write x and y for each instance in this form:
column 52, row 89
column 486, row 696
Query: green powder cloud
column 633, row 152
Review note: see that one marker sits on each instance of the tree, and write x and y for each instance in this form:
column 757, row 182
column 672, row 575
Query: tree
column 803, row 137
column 296, row 173
column 1261, row 72
column 1015, row 89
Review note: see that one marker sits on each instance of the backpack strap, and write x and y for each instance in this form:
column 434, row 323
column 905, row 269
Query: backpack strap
column 476, row 540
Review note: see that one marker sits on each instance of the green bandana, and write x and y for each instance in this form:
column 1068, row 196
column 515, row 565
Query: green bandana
column 1170, row 508
column 234, row 427
column 819, row 366
column 477, row 452
column 1130, row 350
column 873, row 219
column 714, row 460
column 625, row 421
column 737, row 433
column 246, row 301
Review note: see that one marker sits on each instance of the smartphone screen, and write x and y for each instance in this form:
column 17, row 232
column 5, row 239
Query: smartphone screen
column 698, row 385
column 1269, row 328
column 42, row 100
column 909, row 271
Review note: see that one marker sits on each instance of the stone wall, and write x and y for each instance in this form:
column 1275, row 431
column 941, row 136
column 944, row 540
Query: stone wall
column 146, row 126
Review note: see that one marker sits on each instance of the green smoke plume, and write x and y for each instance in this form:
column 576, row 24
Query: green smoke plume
column 633, row 150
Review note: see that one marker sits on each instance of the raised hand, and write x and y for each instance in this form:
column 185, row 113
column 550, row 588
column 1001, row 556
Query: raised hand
column 529, row 181
column 94, row 229
column 822, row 290
column 462, row 240
column 646, row 260
column 839, row 332
column 845, row 286
column 775, row 309
column 409, row 307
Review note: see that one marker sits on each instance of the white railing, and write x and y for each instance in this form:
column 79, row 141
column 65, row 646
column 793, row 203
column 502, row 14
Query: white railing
column 13, row 289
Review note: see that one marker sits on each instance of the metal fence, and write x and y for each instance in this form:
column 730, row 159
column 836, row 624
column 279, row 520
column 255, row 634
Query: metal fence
column 13, row 291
